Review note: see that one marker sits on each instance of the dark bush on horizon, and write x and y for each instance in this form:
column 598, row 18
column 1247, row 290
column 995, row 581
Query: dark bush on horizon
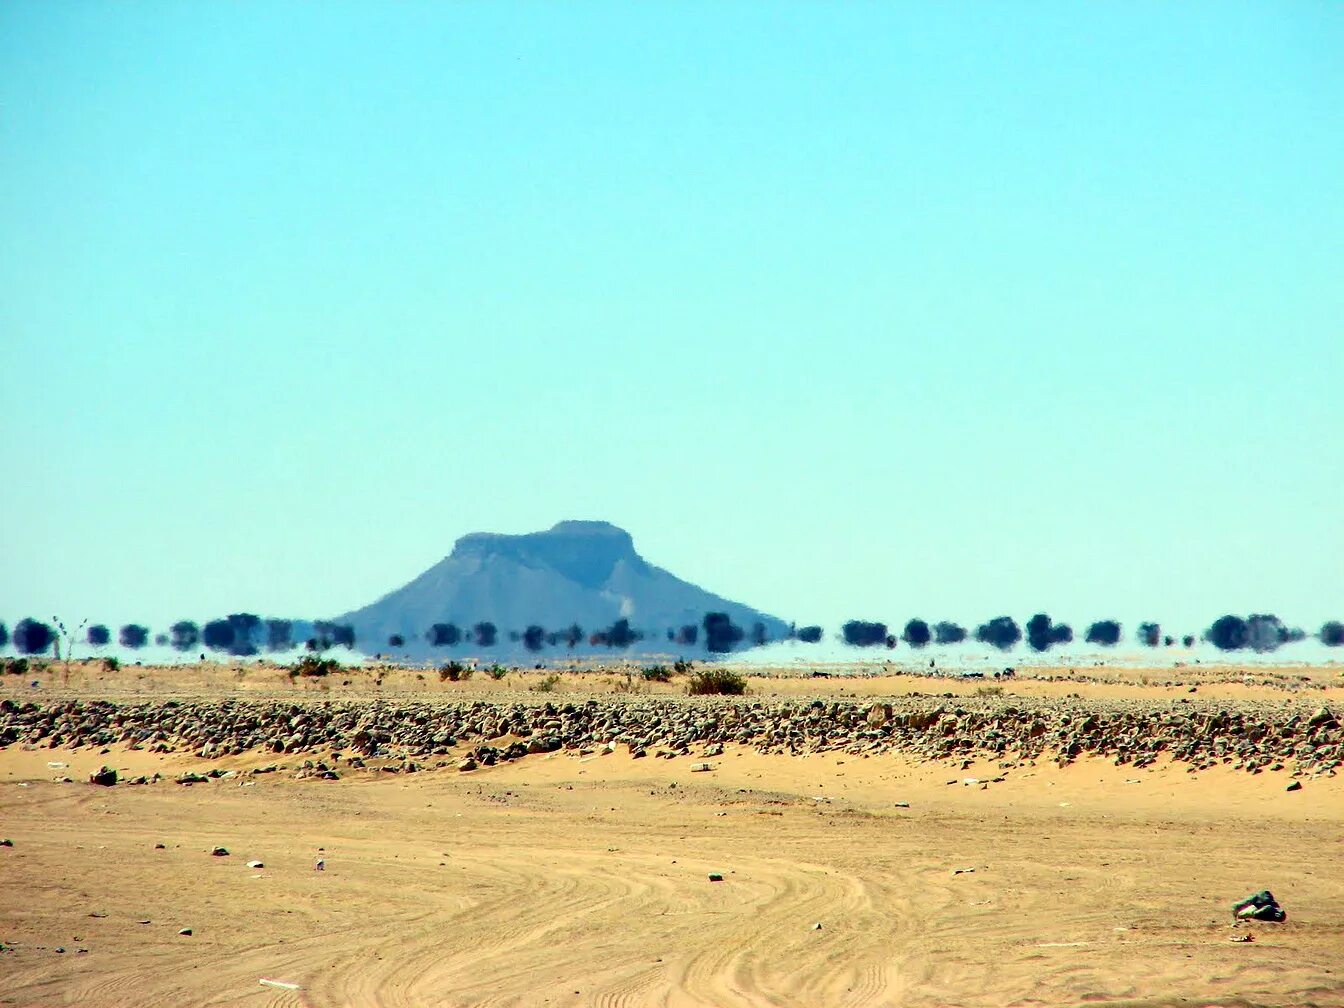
column 917, row 633
column 721, row 634
column 444, row 635
column 862, row 633
column 758, row 635
column 688, row 634
column 809, row 634
column 619, row 634
column 534, row 638
column 1001, row 632
column 133, row 636
column 1332, row 633
column 1104, row 632
column 279, row 634
column 572, row 636
column 1188, row 640
column 396, row 640
column 98, row 635
column 1042, row 634
column 33, row 637
column 1260, row 632
column 948, row 633
column 4, row 636
column 184, row 635
column 1150, row 634
column 329, row 635
column 485, row 634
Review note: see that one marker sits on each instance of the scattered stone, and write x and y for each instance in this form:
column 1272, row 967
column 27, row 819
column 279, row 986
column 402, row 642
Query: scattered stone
column 255, row 864
column 1294, row 786
column 715, row 877
column 185, row 932
column 1242, row 938
column 816, row 926
column 467, row 764
column 220, row 852
column 901, row 804
column 963, row 871
column 159, row 846
column 105, row 777
column 701, row 767
column 6, row 842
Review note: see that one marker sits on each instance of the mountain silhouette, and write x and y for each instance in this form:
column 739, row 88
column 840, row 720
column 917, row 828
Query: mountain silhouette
column 578, row 572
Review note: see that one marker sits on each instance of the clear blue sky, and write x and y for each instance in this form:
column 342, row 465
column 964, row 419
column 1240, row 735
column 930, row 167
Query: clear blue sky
column 867, row 310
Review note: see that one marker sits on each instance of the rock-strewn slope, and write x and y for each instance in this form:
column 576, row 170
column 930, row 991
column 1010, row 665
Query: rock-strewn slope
column 1251, row 737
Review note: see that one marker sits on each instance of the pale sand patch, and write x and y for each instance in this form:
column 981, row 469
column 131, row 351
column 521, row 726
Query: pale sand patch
column 555, row 882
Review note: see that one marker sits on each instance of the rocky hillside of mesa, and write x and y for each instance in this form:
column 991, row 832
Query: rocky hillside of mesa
column 573, row 585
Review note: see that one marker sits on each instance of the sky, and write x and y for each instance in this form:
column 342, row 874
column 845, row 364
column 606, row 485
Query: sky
column 842, row 310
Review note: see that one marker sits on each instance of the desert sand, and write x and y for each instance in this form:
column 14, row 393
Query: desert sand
column 584, row 880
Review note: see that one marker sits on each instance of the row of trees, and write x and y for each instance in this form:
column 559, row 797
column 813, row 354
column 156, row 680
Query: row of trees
column 1258, row 632
column 244, row 634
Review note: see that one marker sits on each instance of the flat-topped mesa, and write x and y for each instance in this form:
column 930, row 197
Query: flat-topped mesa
column 583, row 574
column 586, row 552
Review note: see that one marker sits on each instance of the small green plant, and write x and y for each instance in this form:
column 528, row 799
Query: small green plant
column 657, row 673
column 626, row 685
column 111, row 664
column 454, row 671
column 496, row 672
column 681, row 667
column 988, row 691
column 547, row 685
column 717, row 682
column 16, row 666
column 311, row 665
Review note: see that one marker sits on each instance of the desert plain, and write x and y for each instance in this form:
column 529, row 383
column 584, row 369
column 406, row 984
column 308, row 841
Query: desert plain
column 1066, row 836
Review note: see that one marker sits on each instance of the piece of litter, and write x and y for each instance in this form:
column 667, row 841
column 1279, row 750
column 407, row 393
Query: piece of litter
column 1061, row 944
column 1242, row 938
column 280, row 984
column 902, row 804
column 715, row 877
column 701, row 767
column 320, row 866
column 816, row 926
column 56, row 764
column 1065, row 804
column 255, row 864
column 963, row 871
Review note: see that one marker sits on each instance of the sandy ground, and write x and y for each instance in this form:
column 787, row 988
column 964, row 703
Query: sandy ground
column 560, row 880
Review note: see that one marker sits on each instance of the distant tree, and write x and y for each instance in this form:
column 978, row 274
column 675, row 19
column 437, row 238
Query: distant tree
column 217, row 635
column 1042, row 634
column 184, row 635
column 279, row 634
column 688, row 634
column 515, row 636
column 1001, row 632
column 1332, row 633
column 33, row 637
column 534, row 638
column 161, row 640
column 396, row 640
column 1149, row 634
column 758, row 635
column 809, row 634
column 4, row 636
column 99, row 636
column 573, row 636
column 917, row 633
column 619, row 634
column 1266, row 632
column 485, row 634
column 327, row 634
column 133, row 636
column 444, row 635
column 1104, row 632
column 861, row 633
column 1228, row 633
column 721, row 634
column 1168, row 640
column 949, row 633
